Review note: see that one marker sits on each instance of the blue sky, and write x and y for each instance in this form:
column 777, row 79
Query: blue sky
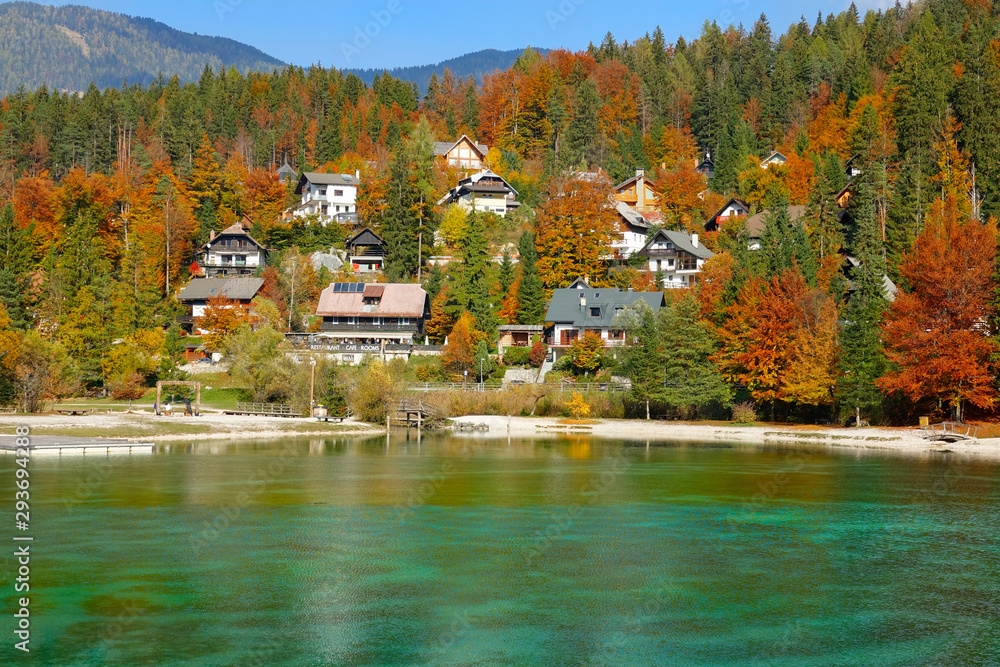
column 420, row 32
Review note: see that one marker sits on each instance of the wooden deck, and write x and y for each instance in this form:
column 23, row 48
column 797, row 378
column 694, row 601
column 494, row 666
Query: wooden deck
column 264, row 410
column 65, row 444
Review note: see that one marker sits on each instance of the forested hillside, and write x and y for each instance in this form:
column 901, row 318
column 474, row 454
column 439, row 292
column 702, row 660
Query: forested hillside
column 110, row 192
column 70, row 47
column 475, row 65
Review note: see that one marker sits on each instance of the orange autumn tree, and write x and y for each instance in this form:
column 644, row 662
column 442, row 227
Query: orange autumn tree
column 936, row 334
column 574, row 228
column 222, row 318
column 459, row 355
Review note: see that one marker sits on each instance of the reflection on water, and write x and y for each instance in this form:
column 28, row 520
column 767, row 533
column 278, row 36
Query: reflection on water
column 478, row 551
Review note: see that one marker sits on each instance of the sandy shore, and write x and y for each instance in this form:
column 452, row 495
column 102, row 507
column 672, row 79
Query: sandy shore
column 897, row 439
column 146, row 427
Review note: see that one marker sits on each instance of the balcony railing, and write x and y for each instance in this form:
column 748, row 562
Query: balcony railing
column 370, row 327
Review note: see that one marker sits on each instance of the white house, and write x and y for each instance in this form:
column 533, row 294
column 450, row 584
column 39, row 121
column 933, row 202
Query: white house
column 578, row 310
column 774, row 158
column 484, row 191
column 231, row 252
column 632, row 231
column 327, row 195
column 679, row 257
column 731, row 209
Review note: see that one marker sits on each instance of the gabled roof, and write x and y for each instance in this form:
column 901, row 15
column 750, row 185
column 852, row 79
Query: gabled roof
column 775, row 156
column 754, row 225
column 317, row 178
column 235, row 230
column 735, row 200
column 565, row 306
column 641, row 174
column 631, row 216
column 705, row 164
column 681, row 241
column 889, row 288
column 395, row 300
column 238, row 288
column 442, row 148
column 472, row 184
column 578, row 283
column 365, row 237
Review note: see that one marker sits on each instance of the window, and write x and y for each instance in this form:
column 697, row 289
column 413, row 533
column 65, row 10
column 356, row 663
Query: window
column 595, row 312
column 618, row 311
column 338, row 193
column 325, row 209
column 404, row 320
column 352, row 320
column 322, row 192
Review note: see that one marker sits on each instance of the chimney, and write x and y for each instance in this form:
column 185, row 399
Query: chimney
column 357, row 174
column 640, row 172
column 211, row 235
column 694, row 240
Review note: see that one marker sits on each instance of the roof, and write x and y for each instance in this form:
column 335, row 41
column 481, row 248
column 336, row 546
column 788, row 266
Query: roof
column 531, row 328
column 366, row 237
column 565, row 306
column 471, row 184
column 775, row 155
column 754, row 225
column 444, row 147
column 396, row 300
column 234, row 230
column 238, row 288
column 735, row 200
column 889, row 288
column 639, row 174
column 683, row 242
column 631, row 216
column 317, row 178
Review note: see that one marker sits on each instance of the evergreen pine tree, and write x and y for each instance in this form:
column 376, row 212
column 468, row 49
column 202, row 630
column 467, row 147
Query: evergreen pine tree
column 862, row 360
column 530, row 293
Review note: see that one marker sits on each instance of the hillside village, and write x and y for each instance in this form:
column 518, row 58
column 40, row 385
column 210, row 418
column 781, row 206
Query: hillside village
column 743, row 219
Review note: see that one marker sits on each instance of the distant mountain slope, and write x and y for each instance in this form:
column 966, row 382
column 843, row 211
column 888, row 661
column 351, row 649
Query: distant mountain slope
column 67, row 48
column 477, row 64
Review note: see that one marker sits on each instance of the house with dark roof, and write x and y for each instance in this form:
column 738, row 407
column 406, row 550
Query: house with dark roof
column 677, row 256
column 706, row 168
column 197, row 294
column 576, row 311
column 733, row 208
column 464, row 153
column 365, row 251
column 632, row 231
column 326, row 195
column 231, row 252
column 484, row 191
column 286, row 173
column 373, row 313
column 639, row 192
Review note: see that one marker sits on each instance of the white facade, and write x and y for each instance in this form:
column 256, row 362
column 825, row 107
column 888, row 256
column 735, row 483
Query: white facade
column 326, row 195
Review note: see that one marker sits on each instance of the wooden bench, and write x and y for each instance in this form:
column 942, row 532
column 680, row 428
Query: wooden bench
column 73, row 413
column 8, row 411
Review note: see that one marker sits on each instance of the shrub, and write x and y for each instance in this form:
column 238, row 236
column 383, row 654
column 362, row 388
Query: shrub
column 516, row 356
column 536, row 356
column 744, row 413
column 577, row 406
column 376, row 392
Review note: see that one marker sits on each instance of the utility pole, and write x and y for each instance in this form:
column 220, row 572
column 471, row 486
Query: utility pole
column 312, row 386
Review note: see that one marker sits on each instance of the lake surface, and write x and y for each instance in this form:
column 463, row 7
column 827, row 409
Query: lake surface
column 531, row 552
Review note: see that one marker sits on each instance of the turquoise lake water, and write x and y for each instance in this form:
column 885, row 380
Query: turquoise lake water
column 530, row 552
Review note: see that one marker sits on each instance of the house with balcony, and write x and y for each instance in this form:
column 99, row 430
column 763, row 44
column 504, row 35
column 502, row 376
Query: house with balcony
column 327, row 195
column 734, row 208
column 578, row 310
column 483, row 191
column 200, row 291
column 231, row 252
column 638, row 192
column 464, row 153
column 632, row 231
column 677, row 256
column 373, row 314
column 365, row 251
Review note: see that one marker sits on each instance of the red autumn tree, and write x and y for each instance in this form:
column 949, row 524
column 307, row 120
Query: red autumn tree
column 936, row 335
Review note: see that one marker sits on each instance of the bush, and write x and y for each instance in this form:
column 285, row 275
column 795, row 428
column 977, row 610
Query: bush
column 376, row 392
column 577, row 406
column 744, row 413
column 516, row 356
column 536, row 356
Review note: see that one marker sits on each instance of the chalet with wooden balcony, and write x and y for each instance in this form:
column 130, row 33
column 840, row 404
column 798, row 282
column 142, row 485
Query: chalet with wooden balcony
column 639, row 192
column 373, row 314
column 231, row 252
column 464, row 153
column 484, row 191
column 327, row 195
column 366, row 251
column 577, row 310
column 677, row 256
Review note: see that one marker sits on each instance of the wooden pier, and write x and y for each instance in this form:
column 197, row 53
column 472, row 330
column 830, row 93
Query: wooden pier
column 65, row 444
column 264, row 410
column 415, row 412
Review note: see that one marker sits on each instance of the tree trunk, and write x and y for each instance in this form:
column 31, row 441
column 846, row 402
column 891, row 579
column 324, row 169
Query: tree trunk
column 857, row 416
column 647, row 408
